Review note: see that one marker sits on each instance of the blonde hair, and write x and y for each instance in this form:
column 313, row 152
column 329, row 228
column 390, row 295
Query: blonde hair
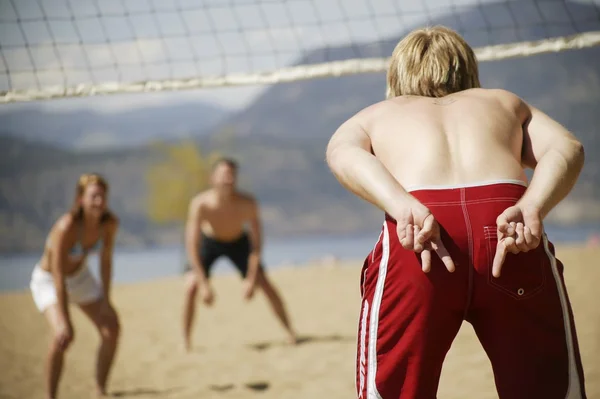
column 432, row 62
column 85, row 180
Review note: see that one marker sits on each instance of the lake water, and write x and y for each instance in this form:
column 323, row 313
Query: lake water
column 148, row 264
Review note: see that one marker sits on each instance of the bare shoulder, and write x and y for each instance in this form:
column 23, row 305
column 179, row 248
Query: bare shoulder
column 63, row 227
column 200, row 200
column 65, row 223
column 505, row 97
column 247, row 199
column 111, row 222
column 248, row 203
column 374, row 112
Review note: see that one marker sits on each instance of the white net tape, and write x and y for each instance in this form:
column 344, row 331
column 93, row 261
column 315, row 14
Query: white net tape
column 296, row 73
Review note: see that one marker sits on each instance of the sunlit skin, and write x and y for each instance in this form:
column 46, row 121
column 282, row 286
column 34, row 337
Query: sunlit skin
column 57, row 260
column 222, row 213
column 411, row 141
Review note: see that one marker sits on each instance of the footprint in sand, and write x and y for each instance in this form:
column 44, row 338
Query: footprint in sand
column 258, row 386
column 255, row 386
column 222, row 387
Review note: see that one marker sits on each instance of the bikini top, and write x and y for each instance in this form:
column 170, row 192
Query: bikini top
column 78, row 249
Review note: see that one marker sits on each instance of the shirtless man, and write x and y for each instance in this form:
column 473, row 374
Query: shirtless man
column 463, row 237
column 216, row 227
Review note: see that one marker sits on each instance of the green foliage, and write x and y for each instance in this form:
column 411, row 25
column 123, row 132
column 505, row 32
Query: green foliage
column 180, row 173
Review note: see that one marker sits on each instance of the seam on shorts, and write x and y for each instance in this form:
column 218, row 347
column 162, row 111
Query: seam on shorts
column 574, row 388
column 468, row 185
column 363, row 355
column 478, row 201
column 372, row 392
column 364, row 283
column 375, row 247
column 467, row 220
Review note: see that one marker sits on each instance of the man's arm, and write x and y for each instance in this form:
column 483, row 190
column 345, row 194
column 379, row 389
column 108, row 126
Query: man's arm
column 106, row 256
column 255, row 242
column 193, row 239
column 350, row 159
column 556, row 157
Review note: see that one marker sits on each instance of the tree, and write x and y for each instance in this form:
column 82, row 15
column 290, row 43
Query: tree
column 180, row 172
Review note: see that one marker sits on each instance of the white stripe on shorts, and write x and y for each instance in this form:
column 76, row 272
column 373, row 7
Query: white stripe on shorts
column 372, row 392
column 574, row 388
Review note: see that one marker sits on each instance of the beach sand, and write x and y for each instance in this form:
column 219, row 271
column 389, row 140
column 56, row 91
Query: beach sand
column 240, row 349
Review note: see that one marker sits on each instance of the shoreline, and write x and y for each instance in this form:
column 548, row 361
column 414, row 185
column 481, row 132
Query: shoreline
column 239, row 345
column 321, row 261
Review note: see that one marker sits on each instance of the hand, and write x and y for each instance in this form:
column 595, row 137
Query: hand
column 206, row 294
column 249, row 287
column 64, row 334
column 418, row 231
column 107, row 308
column 519, row 230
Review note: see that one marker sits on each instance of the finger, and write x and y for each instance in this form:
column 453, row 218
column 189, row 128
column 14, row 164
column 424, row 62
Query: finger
column 408, row 241
column 509, row 244
column 427, row 229
column 534, row 225
column 418, row 246
column 499, row 258
column 510, row 229
column 440, row 249
column 401, row 233
column 520, row 239
column 529, row 239
column 503, row 225
column 426, row 260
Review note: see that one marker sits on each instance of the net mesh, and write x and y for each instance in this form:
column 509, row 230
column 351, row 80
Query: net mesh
column 68, row 48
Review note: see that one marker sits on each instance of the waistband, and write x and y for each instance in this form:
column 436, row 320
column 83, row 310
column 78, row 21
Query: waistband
column 242, row 238
column 501, row 190
column 38, row 271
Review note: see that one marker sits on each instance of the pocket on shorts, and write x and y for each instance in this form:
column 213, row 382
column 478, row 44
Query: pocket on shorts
column 522, row 275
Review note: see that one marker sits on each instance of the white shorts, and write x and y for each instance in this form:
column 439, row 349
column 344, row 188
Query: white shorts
column 82, row 288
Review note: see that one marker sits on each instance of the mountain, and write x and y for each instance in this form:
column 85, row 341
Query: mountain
column 295, row 198
column 565, row 84
column 85, row 129
column 280, row 142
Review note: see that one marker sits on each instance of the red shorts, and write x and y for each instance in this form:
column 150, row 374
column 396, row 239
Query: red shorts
column 409, row 319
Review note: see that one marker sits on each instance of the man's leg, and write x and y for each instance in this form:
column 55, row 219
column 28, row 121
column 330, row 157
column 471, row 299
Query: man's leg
column 209, row 253
column 189, row 307
column 276, row 303
column 106, row 321
column 408, row 320
column 525, row 324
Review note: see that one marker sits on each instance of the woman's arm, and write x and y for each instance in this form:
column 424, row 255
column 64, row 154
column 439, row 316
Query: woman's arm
column 58, row 258
column 106, row 256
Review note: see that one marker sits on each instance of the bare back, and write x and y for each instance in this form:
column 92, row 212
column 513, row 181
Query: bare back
column 467, row 137
column 224, row 219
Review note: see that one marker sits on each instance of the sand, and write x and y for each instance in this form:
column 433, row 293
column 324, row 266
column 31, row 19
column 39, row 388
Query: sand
column 240, row 349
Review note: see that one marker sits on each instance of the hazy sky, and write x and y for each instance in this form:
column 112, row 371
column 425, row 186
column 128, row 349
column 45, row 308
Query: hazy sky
column 54, row 42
